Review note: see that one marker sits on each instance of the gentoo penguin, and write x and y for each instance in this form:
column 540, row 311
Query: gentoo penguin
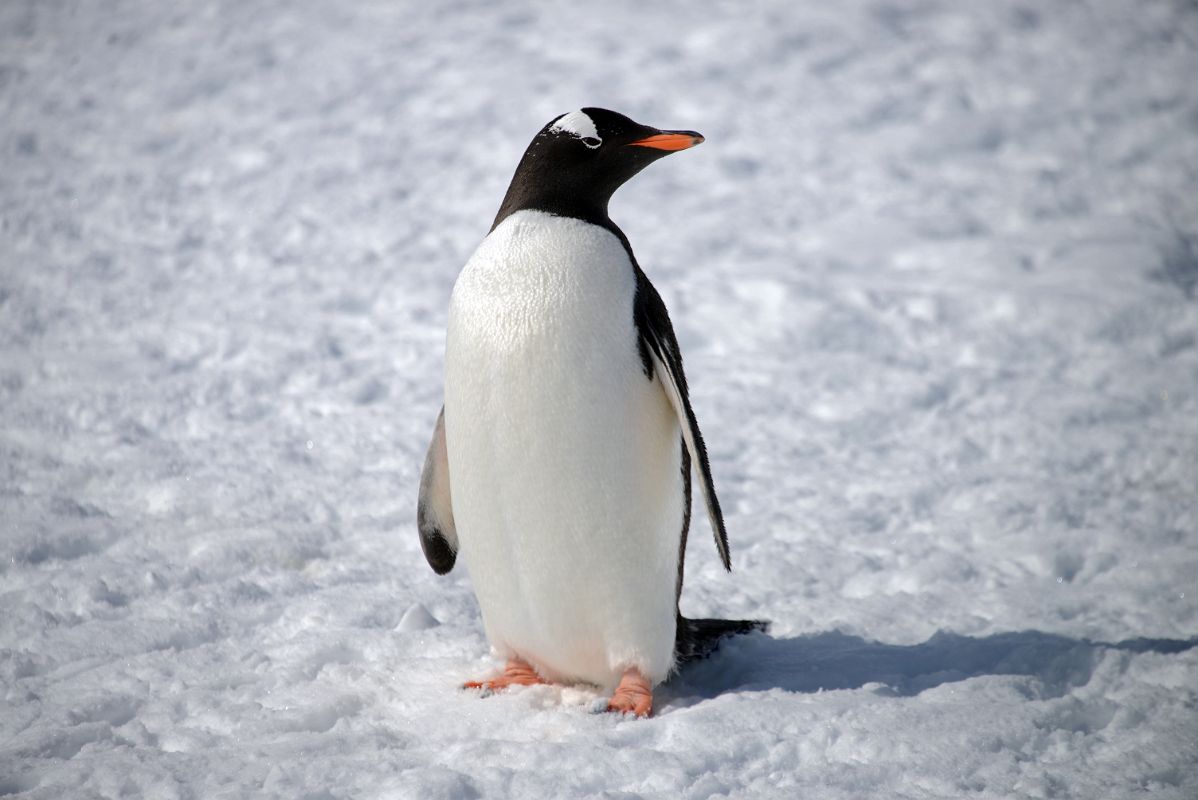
column 560, row 465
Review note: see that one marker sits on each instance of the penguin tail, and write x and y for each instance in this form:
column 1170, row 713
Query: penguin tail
column 696, row 639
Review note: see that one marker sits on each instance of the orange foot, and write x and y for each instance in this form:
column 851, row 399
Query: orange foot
column 633, row 695
column 516, row 673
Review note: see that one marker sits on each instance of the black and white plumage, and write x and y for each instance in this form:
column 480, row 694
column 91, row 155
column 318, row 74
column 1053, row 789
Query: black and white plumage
column 560, row 465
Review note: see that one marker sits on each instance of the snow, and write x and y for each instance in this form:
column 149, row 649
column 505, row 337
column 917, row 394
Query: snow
column 934, row 273
column 581, row 125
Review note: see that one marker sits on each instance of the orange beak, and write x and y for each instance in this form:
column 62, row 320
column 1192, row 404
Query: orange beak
column 669, row 141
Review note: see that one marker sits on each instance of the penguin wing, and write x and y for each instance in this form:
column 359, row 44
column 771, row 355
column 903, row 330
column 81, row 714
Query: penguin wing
column 434, row 510
column 659, row 353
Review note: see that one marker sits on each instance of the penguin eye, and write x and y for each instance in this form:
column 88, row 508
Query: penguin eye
column 591, row 142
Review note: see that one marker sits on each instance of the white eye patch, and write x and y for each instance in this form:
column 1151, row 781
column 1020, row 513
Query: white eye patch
column 577, row 123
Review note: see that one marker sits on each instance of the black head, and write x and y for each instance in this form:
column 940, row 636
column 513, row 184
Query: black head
column 579, row 159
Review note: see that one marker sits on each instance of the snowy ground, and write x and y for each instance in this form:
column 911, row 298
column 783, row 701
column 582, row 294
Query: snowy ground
column 935, row 272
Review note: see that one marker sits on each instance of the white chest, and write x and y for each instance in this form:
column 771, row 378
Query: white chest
column 564, row 458
column 543, row 284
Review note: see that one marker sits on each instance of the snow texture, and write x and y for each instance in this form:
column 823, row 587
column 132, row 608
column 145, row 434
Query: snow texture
column 935, row 274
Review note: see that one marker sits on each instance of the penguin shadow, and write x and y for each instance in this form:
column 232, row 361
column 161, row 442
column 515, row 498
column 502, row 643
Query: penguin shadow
column 834, row 660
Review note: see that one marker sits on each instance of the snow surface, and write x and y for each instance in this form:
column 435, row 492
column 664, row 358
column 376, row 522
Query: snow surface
column 935, row 273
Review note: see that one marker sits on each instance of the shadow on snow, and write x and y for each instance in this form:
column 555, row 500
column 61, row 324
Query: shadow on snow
column 836, row 660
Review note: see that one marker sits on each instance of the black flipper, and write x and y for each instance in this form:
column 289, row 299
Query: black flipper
column 660, row 355
column 698, row 638
column 434, row 510
column 694, row 639
column 686, row 522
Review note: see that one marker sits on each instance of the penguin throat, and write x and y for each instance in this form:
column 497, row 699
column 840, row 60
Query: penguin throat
column 555, row 198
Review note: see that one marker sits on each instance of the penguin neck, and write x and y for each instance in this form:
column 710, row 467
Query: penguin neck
column 559, row 200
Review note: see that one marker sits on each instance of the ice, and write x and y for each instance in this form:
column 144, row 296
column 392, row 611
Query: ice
column 933, row 274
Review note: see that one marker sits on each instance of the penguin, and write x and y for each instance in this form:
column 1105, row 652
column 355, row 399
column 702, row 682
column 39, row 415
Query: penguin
column 560, row 463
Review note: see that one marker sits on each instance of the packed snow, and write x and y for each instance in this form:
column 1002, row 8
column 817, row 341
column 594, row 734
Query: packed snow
column 935, row 275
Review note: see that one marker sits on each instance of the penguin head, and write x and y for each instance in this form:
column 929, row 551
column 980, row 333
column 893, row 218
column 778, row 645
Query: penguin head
column 579, row 159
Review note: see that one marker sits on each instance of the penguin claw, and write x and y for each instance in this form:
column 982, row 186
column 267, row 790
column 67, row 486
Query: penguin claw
column 633, row 696
column 516, row 673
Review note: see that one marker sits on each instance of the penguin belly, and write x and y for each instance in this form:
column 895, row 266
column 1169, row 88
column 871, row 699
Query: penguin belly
column 564, row 459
